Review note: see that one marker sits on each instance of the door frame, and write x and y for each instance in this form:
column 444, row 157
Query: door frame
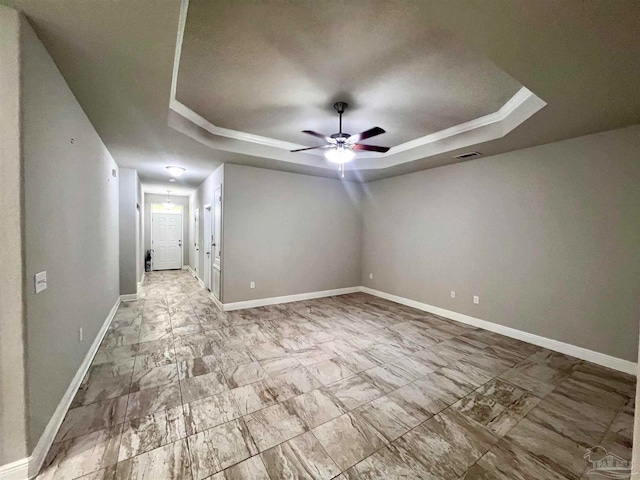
column 181, row 213
column 207, row 273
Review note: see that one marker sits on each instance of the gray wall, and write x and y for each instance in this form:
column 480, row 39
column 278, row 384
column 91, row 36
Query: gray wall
column 547, row 237
column 129, row 231
column 201, row 197
column 13, row 432
column 71, row 220
column 150, row 198
column 289, row 233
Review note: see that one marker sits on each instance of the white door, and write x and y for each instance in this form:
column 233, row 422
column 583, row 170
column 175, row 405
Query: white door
column 196, row 233
column 217, row 237
column 217, row 226
column 206, row 246
column 166, row 241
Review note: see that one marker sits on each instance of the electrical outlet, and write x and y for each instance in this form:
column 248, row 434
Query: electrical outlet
column 252, row 285
column 476, row 299
column 371, row 276
column 80, row 334
column 40, row 281
column 453, row 294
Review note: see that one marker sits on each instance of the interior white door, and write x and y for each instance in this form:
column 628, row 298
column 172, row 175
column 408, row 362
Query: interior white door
column 196, row 243
column 166, row 241
column 206, row 245
column 217, row 226
column 217, row 238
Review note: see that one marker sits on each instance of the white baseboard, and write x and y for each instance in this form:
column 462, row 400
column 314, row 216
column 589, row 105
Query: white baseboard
column 18, row 470
column 46, row 439
column 200, row 282
column 218, row 303
column 130, row 297
column 287, row 298
column 579, row 352
column 140, row 283
column 190, row 270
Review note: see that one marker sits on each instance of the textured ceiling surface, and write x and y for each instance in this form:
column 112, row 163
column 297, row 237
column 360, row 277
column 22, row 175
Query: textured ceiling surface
column 274, row 69
column 582, row 58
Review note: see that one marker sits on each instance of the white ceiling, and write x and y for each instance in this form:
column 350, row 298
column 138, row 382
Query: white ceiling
column 581, row 58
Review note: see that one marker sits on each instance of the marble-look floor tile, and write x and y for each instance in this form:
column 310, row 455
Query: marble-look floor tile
column 210, row 411
column 311, row 355
column 358, row 361
column 108, row 473
column 82, row 455
column 316, row 407
column 429, row 455
column 146, row 402
column 154, row 377
column 354, row 391
column 506, row 461
column 273, row 425
column 102, row 389
column 388, row 377
column 389, row 418
column 407, row 395
column 383, row 464
column 201, row 386
column 239, row 375
column 155, row 359
column 555, row 451
column 219, row 447
column 467, row 437
column 302, row 457
column 250, row 469
column 330, row 371
column 279, row 365
column 537, row 387
column 169, row 462
column 104, row 371
column 293, row 383
column 89, row 418
column 348, row 440
column 254, row 396
column 153, row 431
column 193, row 367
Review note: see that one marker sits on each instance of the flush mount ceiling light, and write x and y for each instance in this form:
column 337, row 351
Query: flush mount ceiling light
column 340, row 146
column 175, row 171
column 167, row 204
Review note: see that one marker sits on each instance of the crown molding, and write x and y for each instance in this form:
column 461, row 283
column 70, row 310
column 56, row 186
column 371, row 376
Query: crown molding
column 520, row 107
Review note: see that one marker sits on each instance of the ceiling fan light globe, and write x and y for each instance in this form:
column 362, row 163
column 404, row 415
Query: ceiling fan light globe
column 175, row 171
column 339, row 155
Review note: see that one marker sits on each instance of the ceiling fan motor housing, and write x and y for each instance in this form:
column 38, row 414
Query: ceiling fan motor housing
column 340, row 107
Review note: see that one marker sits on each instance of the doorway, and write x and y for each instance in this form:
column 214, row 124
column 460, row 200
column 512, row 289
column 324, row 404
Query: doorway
column 206, row 244
column 196, row 243
column 166, row 240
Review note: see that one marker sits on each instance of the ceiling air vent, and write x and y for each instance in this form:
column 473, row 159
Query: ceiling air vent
column 464, row 156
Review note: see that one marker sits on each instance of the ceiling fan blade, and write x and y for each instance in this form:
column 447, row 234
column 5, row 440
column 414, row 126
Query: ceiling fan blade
column 371, row 148
column 311, row 148
column 372, row 132
column 319, row 135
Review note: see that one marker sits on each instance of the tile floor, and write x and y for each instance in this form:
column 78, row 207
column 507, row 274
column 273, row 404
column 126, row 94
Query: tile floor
column 347, row 387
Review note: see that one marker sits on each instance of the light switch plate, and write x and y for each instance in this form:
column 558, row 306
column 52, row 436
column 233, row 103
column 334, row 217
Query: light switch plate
column 40, row 281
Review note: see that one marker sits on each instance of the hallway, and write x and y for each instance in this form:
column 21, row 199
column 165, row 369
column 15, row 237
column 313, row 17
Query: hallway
column 353, row 384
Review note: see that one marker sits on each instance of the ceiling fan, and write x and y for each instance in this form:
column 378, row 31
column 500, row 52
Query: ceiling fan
column 340, row 146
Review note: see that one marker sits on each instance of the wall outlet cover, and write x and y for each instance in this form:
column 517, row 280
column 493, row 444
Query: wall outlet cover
column 40, row 281
column 476, row 299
